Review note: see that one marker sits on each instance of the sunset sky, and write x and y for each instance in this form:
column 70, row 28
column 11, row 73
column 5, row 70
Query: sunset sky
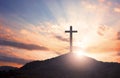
column 35, row 29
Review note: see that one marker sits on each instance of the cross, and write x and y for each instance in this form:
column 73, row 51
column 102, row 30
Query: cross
column 71, row 31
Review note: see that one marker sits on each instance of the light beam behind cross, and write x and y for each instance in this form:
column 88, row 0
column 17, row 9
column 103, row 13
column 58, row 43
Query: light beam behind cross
column 71, row 31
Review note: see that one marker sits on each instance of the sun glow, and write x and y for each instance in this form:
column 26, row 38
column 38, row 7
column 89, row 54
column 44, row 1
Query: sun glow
column 80, row 53
column 79, row 60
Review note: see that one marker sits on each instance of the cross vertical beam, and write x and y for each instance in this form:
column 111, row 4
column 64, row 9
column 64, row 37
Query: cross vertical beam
column 71, row 37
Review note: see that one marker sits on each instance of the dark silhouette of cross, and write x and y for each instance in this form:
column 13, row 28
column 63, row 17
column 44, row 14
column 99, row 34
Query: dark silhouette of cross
column 71, row 31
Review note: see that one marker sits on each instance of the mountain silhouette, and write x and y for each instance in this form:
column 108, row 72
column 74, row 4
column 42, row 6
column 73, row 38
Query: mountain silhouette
column 7, row 68
column 66, row 66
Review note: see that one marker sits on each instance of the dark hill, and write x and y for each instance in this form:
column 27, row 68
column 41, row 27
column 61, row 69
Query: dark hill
column 67, row 66
column 7, row 68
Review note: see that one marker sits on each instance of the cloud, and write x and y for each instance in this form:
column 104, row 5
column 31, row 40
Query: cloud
column 61, row 38
column 105, row 46
column 118, row 35
column 117, row 10
column 107, row 32
column 13, row 59
column 21, row 45
column 7, row 55
column 102, row 30
column 18, row 57
column 101, row 1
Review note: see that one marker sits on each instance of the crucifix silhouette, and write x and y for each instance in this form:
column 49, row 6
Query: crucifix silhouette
column 71, row 31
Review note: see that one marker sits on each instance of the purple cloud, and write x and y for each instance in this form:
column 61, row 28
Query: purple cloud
column 21, row 45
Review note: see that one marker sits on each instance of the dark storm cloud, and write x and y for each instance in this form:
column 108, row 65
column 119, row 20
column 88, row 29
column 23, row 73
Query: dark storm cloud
column 61, row 38
column 21, row 45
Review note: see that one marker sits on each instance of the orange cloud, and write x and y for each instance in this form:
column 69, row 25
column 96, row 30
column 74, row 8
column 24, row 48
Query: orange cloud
column 3, row 63
column 20, row 56
column 105, row 46
column 117, row 10
column 107, row 32
column 101, row 1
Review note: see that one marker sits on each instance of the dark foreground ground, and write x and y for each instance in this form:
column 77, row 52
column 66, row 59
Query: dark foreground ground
column 63, row 67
